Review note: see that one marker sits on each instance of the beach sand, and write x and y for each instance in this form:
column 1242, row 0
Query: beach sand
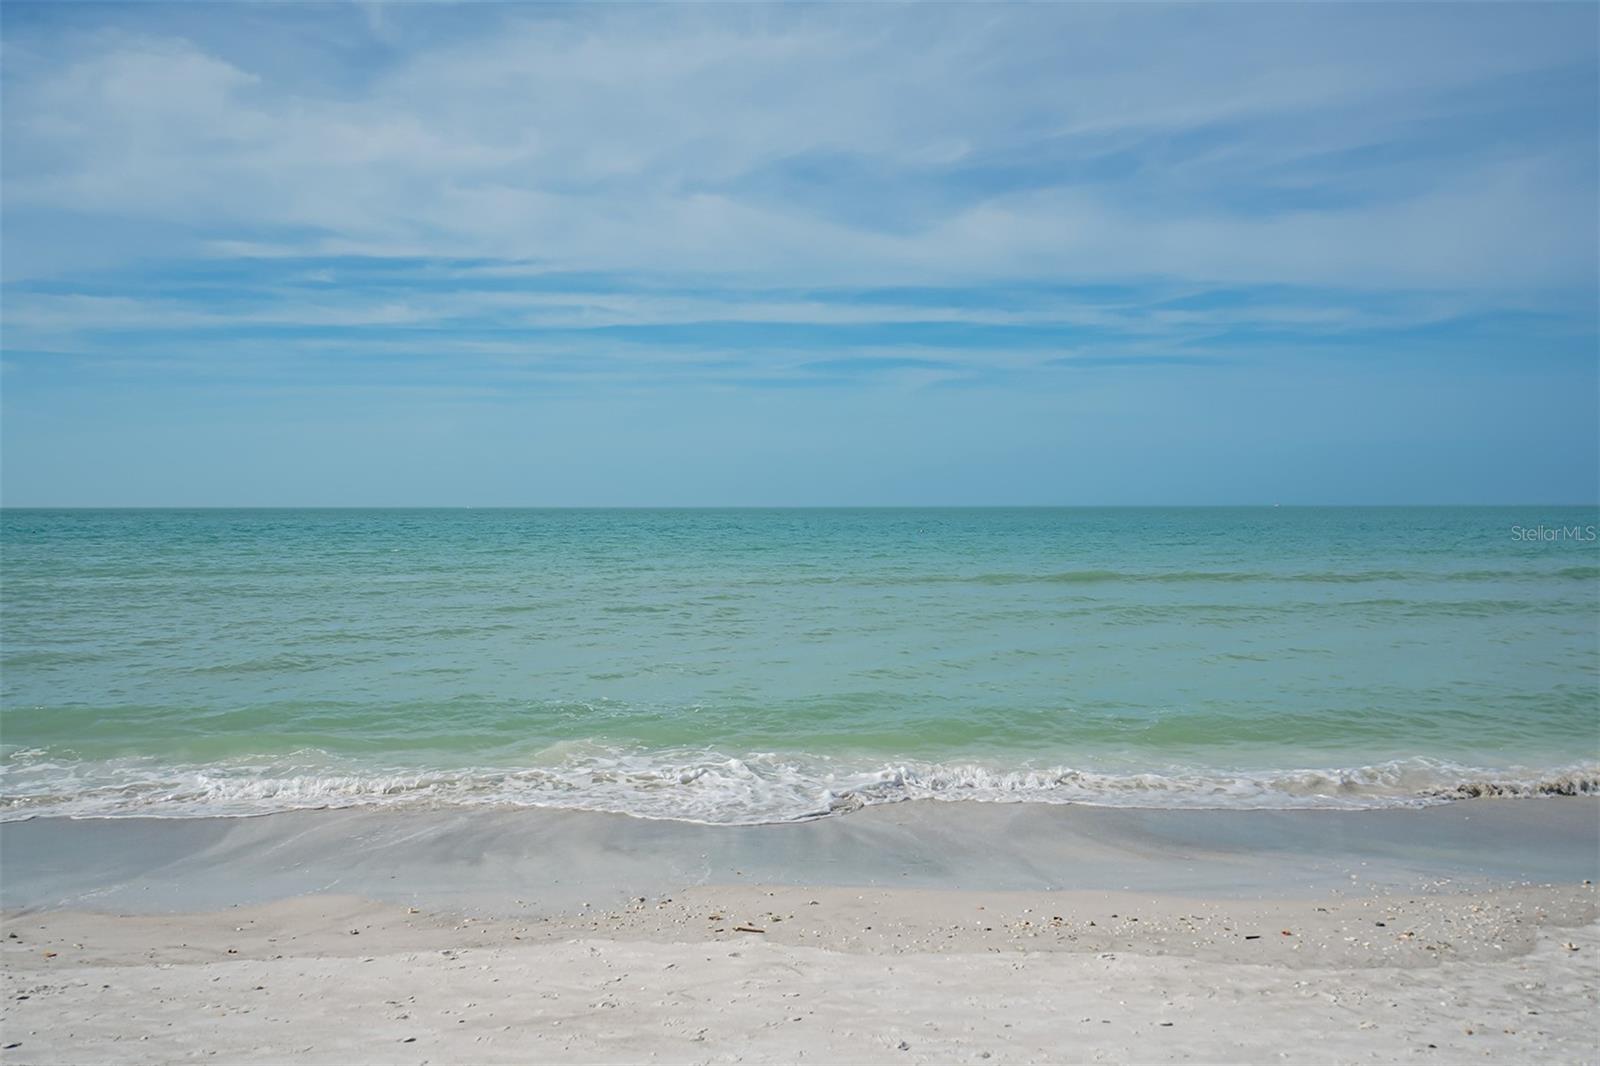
column 918, row 933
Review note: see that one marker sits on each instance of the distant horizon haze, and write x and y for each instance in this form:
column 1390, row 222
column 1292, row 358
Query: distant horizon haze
column 1222, row 506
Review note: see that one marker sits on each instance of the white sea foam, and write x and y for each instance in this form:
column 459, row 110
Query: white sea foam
column 714, row 788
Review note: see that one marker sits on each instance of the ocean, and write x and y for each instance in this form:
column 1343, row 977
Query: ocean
column 754, row 666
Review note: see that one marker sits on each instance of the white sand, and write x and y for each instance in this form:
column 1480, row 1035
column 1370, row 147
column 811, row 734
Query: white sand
column 882, row 975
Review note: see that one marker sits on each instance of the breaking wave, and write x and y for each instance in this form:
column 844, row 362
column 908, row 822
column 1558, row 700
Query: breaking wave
column 707, row 787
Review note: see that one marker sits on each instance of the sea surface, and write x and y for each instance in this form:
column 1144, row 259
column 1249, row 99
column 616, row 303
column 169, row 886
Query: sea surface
column 748, row 666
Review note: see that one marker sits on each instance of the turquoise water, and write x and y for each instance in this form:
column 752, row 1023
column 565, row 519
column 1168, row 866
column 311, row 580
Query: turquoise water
column 765, row 665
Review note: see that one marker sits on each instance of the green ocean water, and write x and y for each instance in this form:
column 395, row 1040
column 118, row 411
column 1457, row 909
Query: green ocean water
column 767, row 665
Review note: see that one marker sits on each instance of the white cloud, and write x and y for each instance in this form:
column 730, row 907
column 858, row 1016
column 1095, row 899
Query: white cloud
column 672, row 139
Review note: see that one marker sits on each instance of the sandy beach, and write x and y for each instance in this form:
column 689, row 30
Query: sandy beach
column 913, row 533
column 983, row 933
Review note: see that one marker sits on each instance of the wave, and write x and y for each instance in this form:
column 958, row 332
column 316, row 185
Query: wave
column 1422, row 575
column 707, row 787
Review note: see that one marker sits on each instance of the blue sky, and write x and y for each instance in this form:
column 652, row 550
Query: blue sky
column 486, row 254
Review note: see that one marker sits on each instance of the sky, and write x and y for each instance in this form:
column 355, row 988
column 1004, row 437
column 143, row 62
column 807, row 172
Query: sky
column 893, row 254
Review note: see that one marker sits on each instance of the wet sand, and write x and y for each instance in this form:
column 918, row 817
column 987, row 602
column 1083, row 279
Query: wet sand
column 554, row 859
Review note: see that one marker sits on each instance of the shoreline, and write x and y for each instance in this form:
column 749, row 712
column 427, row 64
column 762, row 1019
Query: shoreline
column 1017, row 933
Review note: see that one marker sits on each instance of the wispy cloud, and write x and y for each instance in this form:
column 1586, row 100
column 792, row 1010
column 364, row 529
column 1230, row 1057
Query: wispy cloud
column 1336, row 145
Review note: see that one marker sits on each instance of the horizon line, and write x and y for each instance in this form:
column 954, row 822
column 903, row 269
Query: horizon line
column 1592, row 504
